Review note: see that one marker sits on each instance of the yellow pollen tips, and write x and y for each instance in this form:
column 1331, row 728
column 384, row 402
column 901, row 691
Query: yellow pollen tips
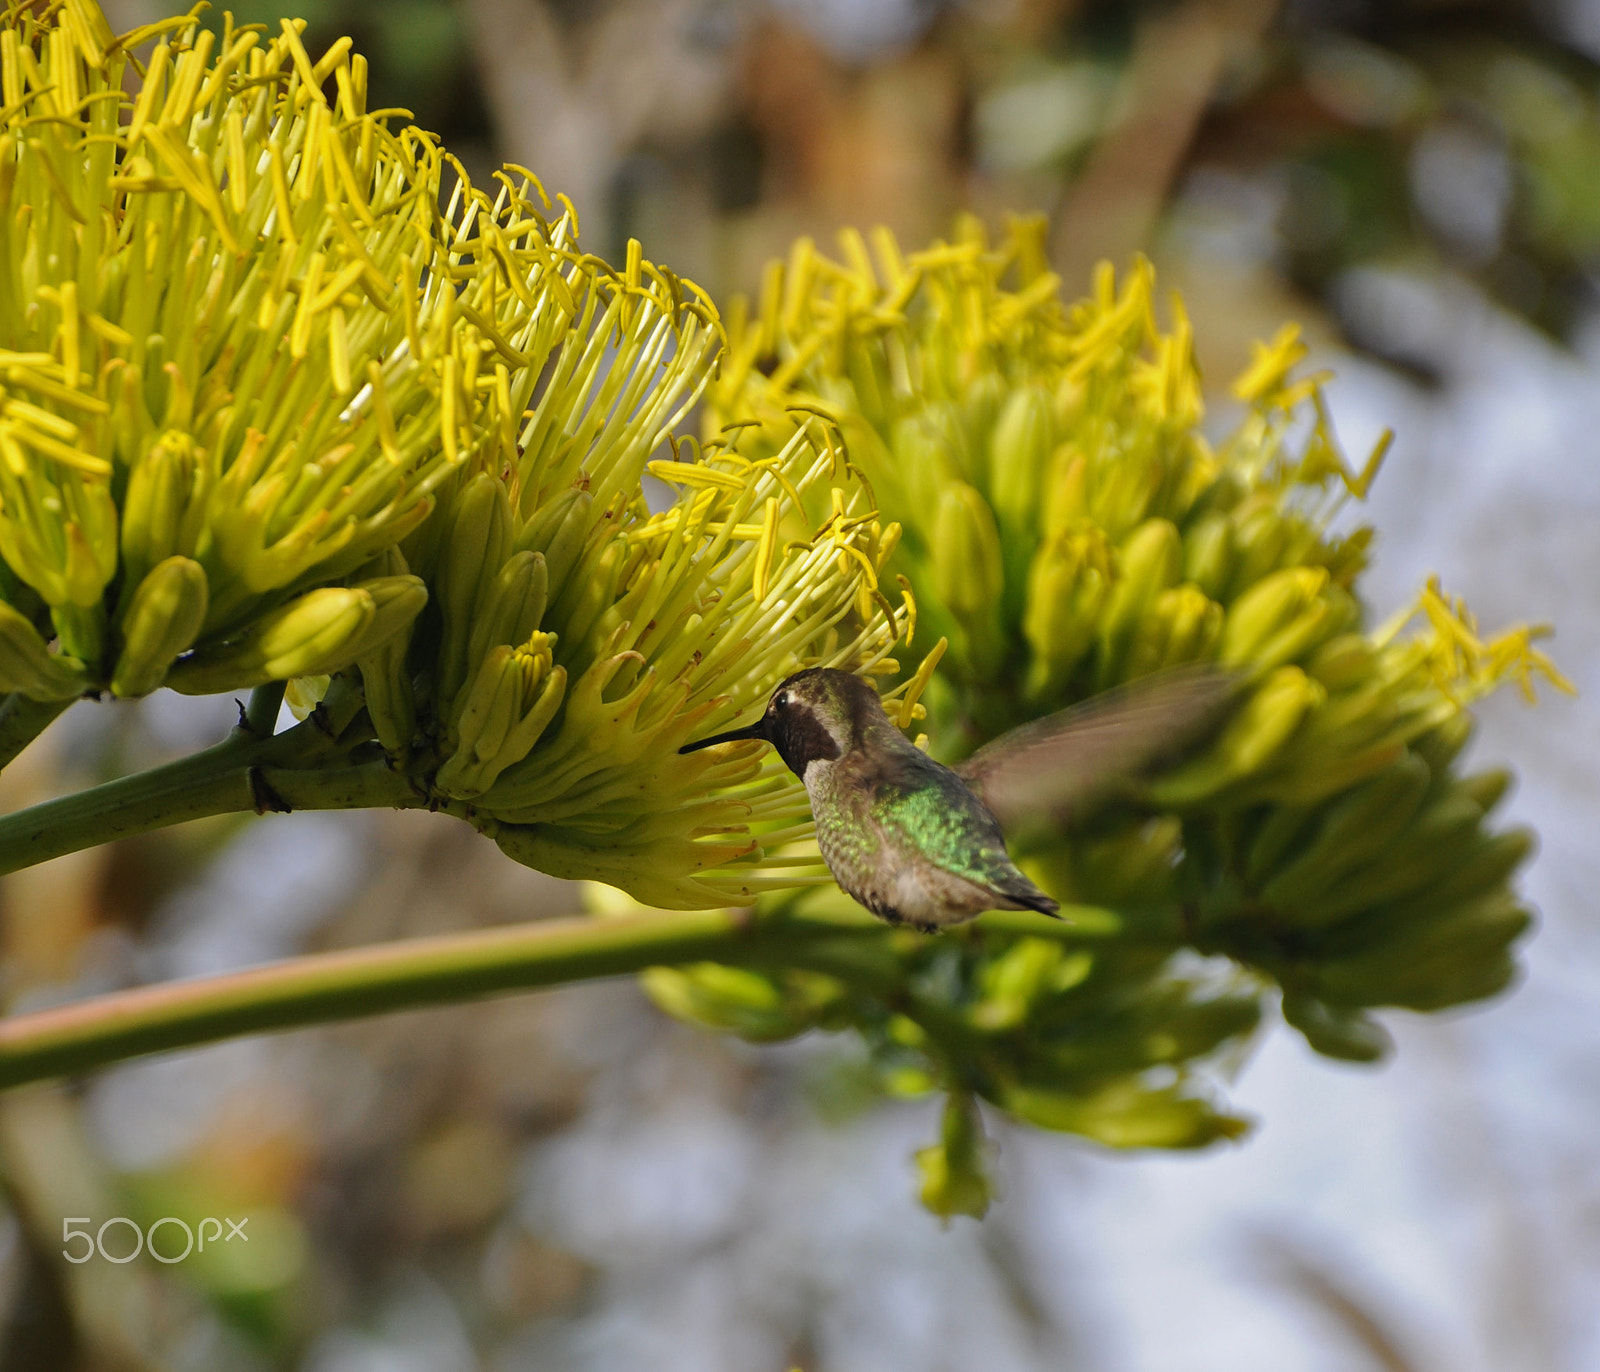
column 919, row 683
column 765, row 549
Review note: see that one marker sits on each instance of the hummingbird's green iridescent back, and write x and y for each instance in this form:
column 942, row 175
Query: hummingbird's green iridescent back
column 900, row 832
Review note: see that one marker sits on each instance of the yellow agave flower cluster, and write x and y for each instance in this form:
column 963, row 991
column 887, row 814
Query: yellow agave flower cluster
column 272, row 406
column 197, row 281
column 1069, row 527
column 577, row 640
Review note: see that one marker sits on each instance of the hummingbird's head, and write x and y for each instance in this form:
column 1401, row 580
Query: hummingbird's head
column 814, row 716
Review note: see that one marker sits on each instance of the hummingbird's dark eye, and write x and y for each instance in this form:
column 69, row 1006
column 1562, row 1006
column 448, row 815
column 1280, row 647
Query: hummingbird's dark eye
column 780, row 700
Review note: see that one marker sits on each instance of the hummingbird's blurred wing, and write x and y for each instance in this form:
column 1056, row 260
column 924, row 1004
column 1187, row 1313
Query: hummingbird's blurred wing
column 1053, row 769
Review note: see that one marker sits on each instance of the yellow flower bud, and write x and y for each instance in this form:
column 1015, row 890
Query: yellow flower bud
column 1208, row 554
column 1148, row 563
column 162, row 508
column 1067, row 588
column 966, row 559
column 1255, row 734
column 966, row 569
column 1023, row 439
column 1066, row 493
column 1267, row 608
column 925, row 466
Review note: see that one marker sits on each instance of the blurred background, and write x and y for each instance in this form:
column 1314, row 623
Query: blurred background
column 570, row 1181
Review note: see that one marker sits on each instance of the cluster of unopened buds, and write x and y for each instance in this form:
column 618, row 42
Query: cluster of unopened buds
column 1069, row 528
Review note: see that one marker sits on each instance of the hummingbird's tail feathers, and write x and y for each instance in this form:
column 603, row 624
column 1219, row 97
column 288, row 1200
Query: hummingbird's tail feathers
column 1018, row 889
column 1056, row 768
column 1040, row 902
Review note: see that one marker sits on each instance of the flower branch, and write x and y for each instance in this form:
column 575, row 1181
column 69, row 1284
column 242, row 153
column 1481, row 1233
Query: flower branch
column 325, row 987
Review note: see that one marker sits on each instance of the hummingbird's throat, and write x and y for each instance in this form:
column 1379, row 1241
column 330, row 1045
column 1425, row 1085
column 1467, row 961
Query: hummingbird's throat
column 802, row 738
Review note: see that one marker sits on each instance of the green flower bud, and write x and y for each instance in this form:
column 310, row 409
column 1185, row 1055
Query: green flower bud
column 559, row 529
column 474, row 552
column 1345, row 1034
column 514, row 606
column 1427, row 962
column 321, row 631
column 1012, row 983
column 1127, row 1115
column 386, row 676
column 162, row 620
column 306, row 637
column 27, row 665
column 759, row 1006
column 956, row 1170
column 1359, row 825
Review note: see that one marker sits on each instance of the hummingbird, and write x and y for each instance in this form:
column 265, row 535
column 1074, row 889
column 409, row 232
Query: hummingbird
column 922, row 844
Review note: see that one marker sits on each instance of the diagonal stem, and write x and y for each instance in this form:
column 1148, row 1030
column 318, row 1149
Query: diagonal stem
column 323, row 987
column 301, row 769
column 22, row 720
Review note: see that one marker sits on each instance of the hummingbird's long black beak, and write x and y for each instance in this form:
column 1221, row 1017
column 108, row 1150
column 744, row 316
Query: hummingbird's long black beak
column 756, row 730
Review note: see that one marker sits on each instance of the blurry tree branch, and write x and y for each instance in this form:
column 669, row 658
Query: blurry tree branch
column 1179, row 56
column 572, row 104
column 51, row 1170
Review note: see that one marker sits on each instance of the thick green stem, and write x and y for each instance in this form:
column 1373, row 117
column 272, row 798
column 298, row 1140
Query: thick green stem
column 244, row 772
column 323, row 987
column 261, row 714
